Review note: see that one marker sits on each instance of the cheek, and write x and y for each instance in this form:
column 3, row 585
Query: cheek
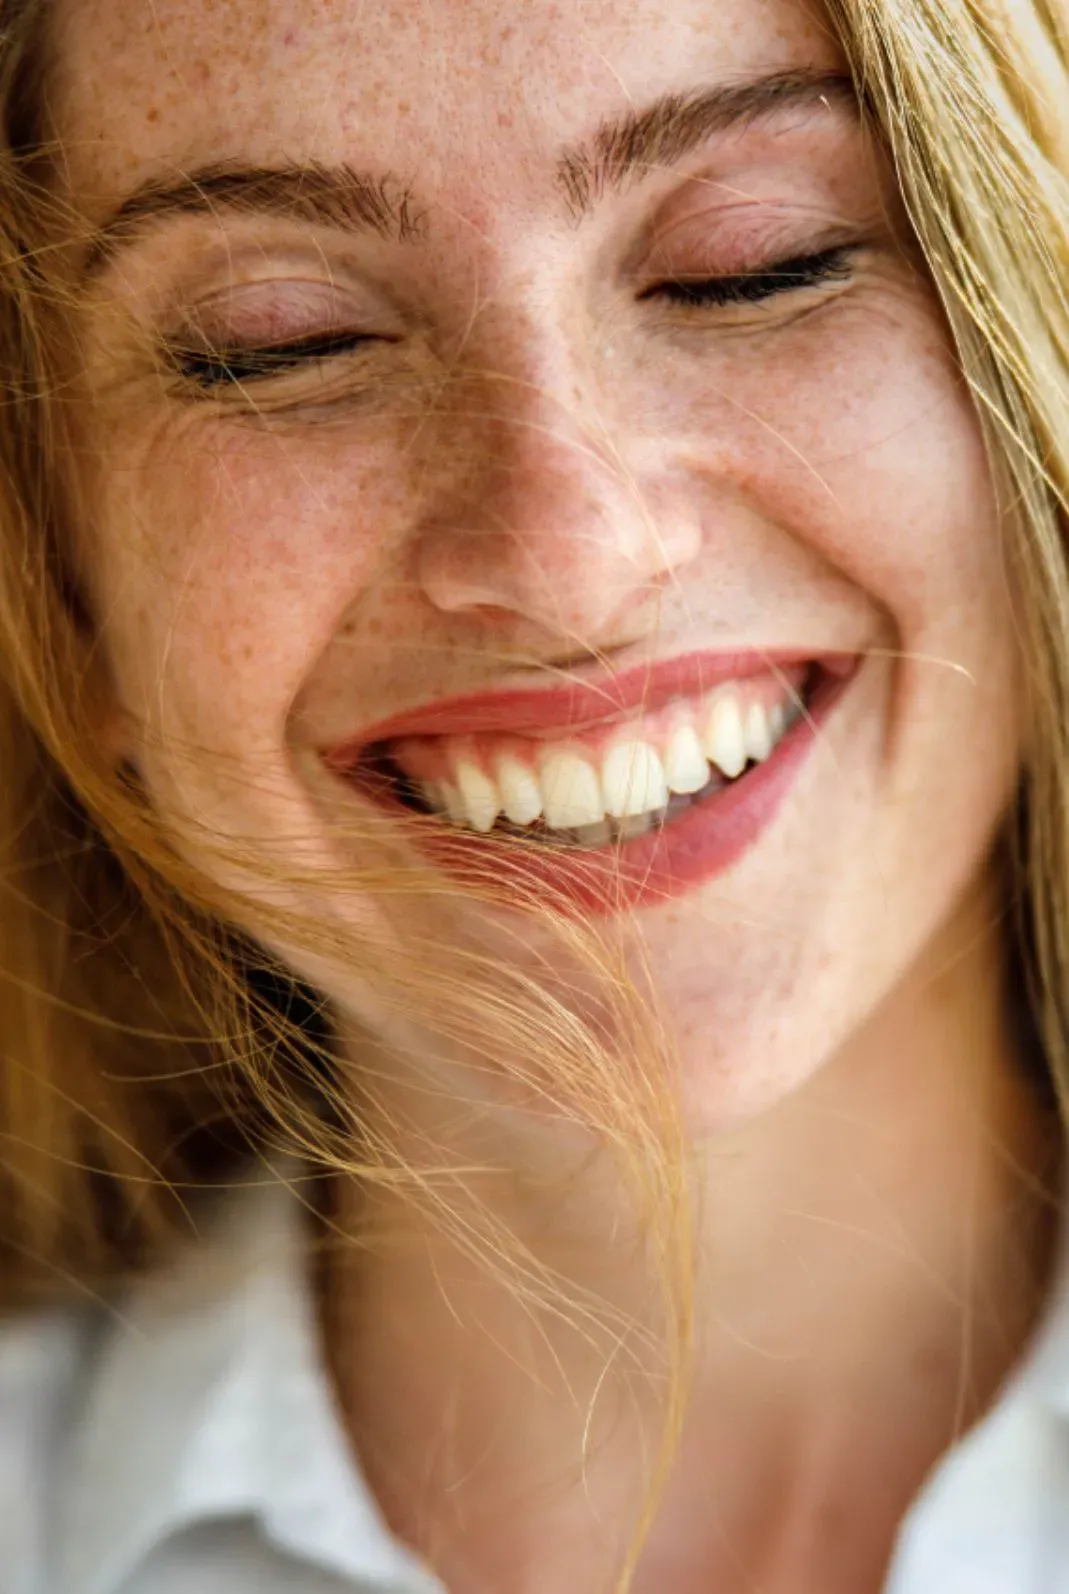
column 853, row 440
column 875, row 454
column 860, row 441
column 259, row 546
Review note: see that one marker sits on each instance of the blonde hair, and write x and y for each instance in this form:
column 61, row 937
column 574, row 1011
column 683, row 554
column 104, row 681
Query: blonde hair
column 149, row 1044
column 972, row 100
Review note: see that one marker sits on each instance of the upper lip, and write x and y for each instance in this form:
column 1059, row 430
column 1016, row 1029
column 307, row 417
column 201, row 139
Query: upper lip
column 579, row 704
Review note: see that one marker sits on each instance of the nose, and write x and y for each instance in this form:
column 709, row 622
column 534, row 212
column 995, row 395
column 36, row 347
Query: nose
column 553, row 515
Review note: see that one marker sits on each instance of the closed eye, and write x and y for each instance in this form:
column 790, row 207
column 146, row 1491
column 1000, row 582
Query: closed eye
column 217, row 367
column 222, row 367
column 754, row 287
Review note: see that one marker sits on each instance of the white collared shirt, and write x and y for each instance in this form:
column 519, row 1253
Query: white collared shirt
column 185, row 1441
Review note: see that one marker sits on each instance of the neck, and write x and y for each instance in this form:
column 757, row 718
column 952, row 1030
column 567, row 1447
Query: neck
column 870, row 1263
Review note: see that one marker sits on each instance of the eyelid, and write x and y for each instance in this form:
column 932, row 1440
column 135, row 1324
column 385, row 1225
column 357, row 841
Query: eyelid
column 278, row 312
column 779, row 280
column 709, row 253
column 219, row 369
column 762, row 216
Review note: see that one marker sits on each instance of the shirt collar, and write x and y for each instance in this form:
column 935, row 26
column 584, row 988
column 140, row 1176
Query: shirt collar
column 992, row 1516
column 207, row 1397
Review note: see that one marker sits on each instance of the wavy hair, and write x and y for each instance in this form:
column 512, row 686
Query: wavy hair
column 150, row 1044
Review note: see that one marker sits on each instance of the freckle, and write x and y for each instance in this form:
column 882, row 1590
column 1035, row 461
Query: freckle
column 153, row 114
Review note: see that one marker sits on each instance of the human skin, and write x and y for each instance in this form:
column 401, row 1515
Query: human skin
column 538, row 466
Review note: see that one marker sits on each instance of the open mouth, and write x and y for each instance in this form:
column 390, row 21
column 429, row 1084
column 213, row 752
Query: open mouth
column 607, row 784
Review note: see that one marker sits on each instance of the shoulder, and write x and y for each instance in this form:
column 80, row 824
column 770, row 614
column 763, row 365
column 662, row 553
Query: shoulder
column 103, row 1406
column 41, row 1358
column 994, row 1515
column 183, row 1435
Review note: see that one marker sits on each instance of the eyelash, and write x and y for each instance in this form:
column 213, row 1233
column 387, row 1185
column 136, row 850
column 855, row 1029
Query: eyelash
column 754, row 287
column 233, row 367
column 214, row 368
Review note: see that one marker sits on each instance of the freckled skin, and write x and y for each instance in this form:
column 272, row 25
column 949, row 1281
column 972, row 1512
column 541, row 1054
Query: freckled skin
column 551, row 469
column 537, row 458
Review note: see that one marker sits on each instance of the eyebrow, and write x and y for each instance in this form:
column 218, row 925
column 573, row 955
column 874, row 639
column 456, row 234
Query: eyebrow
column 331, row 196
column 621, row 150
column 677, row 124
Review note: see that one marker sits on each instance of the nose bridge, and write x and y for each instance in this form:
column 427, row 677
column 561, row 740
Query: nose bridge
column 528, row 406
column 544, row 514
column 548, row 460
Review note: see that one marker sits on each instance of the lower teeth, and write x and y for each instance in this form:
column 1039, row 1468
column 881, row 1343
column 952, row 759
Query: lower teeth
column 597, row 835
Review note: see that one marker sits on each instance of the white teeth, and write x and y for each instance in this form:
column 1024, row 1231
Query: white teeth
column 521, row 795
column 758, row 734
column 479, row 795
column 632, row 779
column 686, row 767
column 571, row 793
column 724, row 743
column 634, row 785
column 454, row 803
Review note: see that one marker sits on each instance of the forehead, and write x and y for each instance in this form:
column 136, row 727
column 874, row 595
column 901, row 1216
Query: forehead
column 462, row 92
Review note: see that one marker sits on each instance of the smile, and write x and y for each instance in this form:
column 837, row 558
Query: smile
column 665, row 775
column 610, row 784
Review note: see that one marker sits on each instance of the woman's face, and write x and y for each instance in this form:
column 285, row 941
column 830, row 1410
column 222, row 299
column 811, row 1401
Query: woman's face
column 594, row 348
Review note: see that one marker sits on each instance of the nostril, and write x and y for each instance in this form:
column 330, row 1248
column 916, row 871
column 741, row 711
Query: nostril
column 460, row 573
column 494, row 614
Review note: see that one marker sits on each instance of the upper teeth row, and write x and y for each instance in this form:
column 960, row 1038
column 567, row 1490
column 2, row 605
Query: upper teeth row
column 567, row 788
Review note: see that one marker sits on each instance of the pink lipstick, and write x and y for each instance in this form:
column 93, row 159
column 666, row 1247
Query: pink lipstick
column 626, row 790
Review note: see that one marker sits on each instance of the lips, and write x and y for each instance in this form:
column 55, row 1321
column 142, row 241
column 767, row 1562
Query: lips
column 582, row 704
column 599, row 866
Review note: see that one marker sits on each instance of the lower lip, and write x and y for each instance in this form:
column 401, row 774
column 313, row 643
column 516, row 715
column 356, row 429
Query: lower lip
column 701, row 843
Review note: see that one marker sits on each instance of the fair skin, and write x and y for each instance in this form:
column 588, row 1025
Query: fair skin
column 534, row 464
